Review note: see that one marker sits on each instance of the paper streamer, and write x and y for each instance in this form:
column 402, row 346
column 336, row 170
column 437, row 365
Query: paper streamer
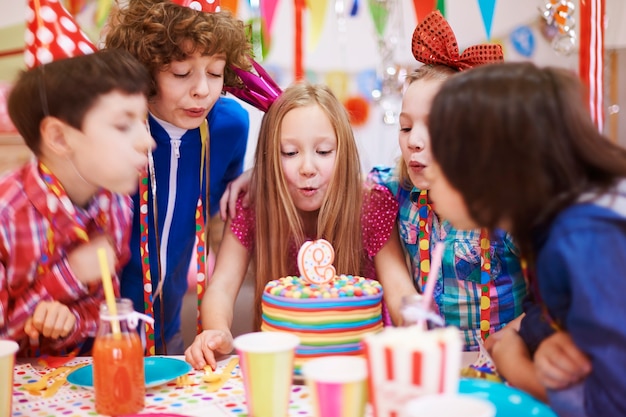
column 591, row 56
column 298, row 65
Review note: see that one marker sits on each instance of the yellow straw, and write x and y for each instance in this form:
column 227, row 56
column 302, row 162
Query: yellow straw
column 109, row 295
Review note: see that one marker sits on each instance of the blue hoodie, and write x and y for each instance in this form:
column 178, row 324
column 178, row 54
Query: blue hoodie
column 178, row 189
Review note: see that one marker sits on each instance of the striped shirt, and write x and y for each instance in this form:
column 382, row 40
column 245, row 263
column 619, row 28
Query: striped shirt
column 35, row 238
column 458, row 289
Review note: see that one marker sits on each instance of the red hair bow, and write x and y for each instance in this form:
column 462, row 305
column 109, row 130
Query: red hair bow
column 434, row 43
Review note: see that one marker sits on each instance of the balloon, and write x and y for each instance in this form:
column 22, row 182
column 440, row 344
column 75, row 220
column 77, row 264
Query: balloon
column 358, row 109
column 523, row 41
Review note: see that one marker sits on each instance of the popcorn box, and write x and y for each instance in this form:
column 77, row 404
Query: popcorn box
column 407, row 362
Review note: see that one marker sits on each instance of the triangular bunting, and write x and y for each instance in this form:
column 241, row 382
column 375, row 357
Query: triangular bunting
column 423, row 7
column 487, row 7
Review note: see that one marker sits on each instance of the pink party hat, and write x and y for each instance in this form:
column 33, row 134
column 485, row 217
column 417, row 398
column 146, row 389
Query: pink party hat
column 52, row 33
column 208, row 6
column 258, row 89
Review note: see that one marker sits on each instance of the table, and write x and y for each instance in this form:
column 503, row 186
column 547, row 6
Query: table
column 191, row 400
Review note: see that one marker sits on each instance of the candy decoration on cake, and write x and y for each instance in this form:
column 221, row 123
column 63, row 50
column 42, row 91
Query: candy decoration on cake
column 315, row 261
column 330, row 316
column 52, row 34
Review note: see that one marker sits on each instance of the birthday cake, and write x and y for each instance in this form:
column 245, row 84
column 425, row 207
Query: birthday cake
column 329, row 313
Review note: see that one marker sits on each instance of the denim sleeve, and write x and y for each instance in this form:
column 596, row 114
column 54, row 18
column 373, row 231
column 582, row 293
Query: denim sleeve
column 534, row 328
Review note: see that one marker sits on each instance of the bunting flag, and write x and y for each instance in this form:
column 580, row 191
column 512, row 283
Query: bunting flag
column 317, row 15
column 487, row 7
column 103, row 11
column 423, row 7
column 591, row 56
column 230, row 5
column 74, row 6
column 380, row 15
column 355, row 8
column 268, row 10
column 441, row 6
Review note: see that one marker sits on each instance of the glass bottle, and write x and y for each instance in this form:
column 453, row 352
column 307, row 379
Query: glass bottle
column 118, row 369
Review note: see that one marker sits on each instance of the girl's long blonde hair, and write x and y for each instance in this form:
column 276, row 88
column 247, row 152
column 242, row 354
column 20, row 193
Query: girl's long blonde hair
column 278, row 224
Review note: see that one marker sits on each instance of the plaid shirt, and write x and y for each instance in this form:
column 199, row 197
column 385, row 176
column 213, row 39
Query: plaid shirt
column 26, row 236
column 458, row 290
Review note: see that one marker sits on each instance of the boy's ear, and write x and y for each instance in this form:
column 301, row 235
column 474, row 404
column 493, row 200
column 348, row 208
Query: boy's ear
column 53, row 136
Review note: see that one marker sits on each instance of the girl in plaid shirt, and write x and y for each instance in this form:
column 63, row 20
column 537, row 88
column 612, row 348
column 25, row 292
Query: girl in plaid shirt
column 84, row 120
column 480, row 286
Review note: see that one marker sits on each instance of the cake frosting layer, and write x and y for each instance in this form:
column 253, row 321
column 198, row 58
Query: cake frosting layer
column 329, row 319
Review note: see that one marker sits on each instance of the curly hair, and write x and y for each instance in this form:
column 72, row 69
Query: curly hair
column 158, row 32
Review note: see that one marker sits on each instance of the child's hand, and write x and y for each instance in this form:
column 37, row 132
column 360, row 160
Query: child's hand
column 559, row 363
column 84, row 260
column 50, row 319
column 228, row 202
column 203, row 349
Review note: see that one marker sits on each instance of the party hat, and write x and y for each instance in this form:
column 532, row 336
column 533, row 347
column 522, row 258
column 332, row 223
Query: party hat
column 52, row 33
column 258, row 89
column 208, row 6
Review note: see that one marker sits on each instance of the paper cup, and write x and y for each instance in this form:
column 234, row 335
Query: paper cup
column 449, row 405
column 337, row 385
column 406, row 363
column 266, row 362
column 8, row 348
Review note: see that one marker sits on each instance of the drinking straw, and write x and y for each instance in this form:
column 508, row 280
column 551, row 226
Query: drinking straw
column 435, row 265
column 109, row 295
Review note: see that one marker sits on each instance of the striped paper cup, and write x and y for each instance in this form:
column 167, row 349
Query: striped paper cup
column 338, row 385
column 266, row 362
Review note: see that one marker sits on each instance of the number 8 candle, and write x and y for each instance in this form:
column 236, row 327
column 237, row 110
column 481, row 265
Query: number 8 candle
column 315, row 261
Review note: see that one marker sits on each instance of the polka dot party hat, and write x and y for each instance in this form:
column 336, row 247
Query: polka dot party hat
column 52, row 34
column 208, row 6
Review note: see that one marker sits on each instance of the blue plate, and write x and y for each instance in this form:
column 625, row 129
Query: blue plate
column 158, row 370
column 509, row 401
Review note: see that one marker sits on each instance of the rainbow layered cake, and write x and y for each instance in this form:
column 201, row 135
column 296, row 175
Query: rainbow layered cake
column 330, row 318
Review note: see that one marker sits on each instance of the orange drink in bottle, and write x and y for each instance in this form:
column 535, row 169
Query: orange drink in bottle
column 118, row 370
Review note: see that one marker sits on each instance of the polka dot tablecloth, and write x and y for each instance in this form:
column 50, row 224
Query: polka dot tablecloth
column 189, row 400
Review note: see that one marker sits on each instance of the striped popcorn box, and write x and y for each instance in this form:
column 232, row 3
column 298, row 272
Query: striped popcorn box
column 406, row 362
